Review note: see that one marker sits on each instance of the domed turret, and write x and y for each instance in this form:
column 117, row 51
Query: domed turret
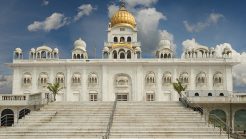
column 80, row 44
column 165, row 44
column 123, row 17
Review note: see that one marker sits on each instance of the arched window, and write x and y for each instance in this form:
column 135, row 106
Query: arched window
column 221, row 94
column 161, row 55
column 128, row 54
column 184, row 78
column 169, row 56
column 60, row 78
column 78, row 56
column 114, row 54
column 105, row 54
column 74, row 56
column 43, row 54
column 23, row 112
column 7, row 117
column 92, row 79
column 217, row 79
column 122, row 55
column 210, row 94
column 201, row 78
column 138, row 54
column 240, row 120
column 76, row 79
column 122, row 39
column 129, row 39
column 150, row 78
column 27, row 79
column 165, row 55
column 167, row 78
column 219, row 113
column 196, row 94
column 115, row 39
column 43, row 79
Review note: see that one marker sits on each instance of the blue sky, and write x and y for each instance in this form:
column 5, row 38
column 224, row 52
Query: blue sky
column 210, row 22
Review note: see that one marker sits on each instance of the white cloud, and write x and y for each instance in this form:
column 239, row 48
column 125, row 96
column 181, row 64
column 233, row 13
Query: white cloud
column 148, row 19
column 112, row 9
column 5, row 83
column 212, row 19
column 84, row 9
column 45, row 2
column 53, row 22
column 146, row 3
column 165, row 35
column 191, row 44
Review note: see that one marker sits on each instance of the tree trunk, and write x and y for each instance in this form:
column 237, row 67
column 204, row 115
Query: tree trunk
column 54, row 96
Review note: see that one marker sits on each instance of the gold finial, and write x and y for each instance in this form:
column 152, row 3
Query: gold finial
column 122, row 4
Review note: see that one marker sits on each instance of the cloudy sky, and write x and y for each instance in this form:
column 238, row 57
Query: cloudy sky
column 58, row 23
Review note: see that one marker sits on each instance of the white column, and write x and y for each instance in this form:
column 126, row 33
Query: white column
column 84, row 93
column 192, row 80
column 104, row 84
column 17, row 81
column 210, row 79
column 68, row 94
column 34, row 80
column 139, row 83
column 158, row 85
column 174, row 94
column 228, row 78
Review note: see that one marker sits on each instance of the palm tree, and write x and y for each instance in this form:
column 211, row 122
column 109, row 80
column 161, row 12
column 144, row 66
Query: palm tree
column 54, row 88
column 178, row 87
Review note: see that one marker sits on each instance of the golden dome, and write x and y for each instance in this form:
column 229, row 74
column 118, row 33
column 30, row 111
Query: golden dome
column 123, row 17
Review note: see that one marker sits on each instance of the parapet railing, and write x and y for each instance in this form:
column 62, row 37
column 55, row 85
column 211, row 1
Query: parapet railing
column 111, row 118
column 212, row 118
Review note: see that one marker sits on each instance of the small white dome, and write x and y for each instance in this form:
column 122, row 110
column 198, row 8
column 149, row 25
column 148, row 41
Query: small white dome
column 18, row 50
column 44, row 47
column 32, row 50
column 56, row 50
column 80, row 44
column 106, row 49
column 165, row 44
column 138, row 48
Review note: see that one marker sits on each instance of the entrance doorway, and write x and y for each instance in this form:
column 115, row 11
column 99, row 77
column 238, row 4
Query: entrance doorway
column 122, row 97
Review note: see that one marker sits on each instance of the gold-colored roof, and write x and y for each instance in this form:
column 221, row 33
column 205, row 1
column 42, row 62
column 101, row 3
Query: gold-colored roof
column 123, row 17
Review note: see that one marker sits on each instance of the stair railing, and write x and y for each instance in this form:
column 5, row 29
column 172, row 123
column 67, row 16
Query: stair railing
column 212, row 118
column 111, row 119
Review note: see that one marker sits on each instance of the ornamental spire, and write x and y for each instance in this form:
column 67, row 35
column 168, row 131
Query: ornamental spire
column 122, row 5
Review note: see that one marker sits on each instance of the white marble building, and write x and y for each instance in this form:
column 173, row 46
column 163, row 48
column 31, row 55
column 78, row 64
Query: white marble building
column 122, row 72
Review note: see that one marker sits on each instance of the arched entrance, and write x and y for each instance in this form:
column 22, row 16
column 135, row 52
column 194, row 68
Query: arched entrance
column 23, row 112
column 7, row 117
column 219, row 113
column 240, row 120
column 122, row 86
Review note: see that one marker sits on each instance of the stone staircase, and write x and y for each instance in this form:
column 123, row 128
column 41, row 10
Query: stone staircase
column 71, row 120
column 132, row 120
column 158, row 120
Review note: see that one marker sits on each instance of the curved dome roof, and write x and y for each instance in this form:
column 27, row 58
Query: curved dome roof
column 165, row 44
column 18, row 50
column 123, row 17
column 80, row 44
column 44, row 47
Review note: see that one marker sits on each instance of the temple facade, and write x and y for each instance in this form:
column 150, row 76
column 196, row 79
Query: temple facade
column 122, row 73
